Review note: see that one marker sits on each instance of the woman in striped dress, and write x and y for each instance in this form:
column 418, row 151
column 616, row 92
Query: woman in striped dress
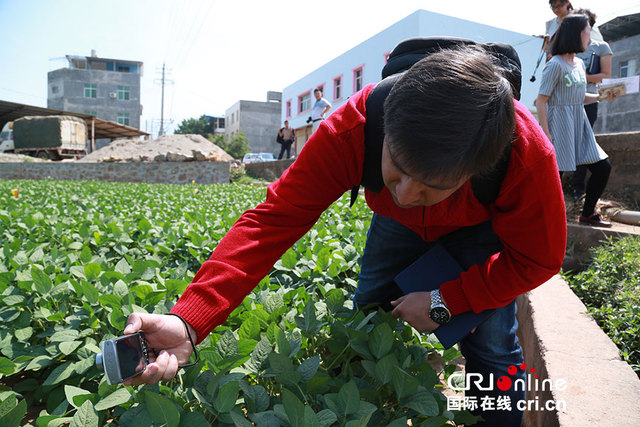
column 563, row 91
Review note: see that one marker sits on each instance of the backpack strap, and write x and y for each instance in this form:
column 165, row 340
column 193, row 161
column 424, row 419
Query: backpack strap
column 374, row 138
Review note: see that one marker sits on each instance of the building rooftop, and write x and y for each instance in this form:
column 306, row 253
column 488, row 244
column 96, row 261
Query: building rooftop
column 621, row 27
column 93, row 62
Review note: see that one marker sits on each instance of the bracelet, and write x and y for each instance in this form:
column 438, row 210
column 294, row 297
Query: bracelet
column 186, row 327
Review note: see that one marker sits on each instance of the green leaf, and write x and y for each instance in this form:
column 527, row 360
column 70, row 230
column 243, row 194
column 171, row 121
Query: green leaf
column 69, row 347
column 116, row 398
column 349, row 398
column 92, row 271
column 136, row 416
column 85, row 254
column 39, row 362
column 123, row 267
column 12, row 412
column 227, row 345
column 327, row 417
column 162, row 409
column 349, row 252
column 227, row 396
column 86, row 416
column 289, row 259
column 335, row 300
column 404, row 384
column 64, row 335
column 193, row 419
column 71, row 392
column 60, row 373
column 7, row 367
column 282, row 343
column 239, row 420
column 13, row 300
column 381, row 340
column 293, row 408
column 385, row 368
column 41, row 280
column 250, row 329
column 424, row 403
column 309, row 367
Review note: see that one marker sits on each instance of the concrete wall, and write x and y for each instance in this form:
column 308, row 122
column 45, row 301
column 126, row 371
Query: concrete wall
column 624, row 153
column 585, row 377
column 268, row 170
column 152, row 172
column 70, row 96
column 259, row 121
column 623, row 114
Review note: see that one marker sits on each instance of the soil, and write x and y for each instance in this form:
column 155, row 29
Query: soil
column 166, row 148
column 18, row 158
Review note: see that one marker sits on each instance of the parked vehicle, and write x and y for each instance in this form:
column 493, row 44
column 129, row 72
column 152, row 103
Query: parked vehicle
column 50, row 137
column 6, row 137
column 258, row 157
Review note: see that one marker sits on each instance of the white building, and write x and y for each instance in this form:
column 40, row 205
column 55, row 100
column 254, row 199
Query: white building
column 361, row 65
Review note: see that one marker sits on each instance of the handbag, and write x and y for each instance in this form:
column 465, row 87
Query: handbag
column 594, row 66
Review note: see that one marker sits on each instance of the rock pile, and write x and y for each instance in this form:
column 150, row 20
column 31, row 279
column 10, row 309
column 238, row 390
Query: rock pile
column 167, row 148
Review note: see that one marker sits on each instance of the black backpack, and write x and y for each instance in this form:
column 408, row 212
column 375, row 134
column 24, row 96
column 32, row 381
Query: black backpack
column 401, row 58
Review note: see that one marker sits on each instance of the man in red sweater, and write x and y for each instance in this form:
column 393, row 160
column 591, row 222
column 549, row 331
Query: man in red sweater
column 447, row 119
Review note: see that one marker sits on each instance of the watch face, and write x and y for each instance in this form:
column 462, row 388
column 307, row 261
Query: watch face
column 440, row 315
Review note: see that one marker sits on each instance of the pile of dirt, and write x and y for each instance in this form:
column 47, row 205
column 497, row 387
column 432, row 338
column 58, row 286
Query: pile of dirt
column 167, row 148
column 18, row 158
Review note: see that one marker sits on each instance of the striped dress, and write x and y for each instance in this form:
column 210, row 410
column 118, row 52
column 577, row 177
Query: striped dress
column 573, row 138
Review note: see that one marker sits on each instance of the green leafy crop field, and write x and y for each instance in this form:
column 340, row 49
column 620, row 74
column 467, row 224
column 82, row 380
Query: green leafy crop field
column 78, row 257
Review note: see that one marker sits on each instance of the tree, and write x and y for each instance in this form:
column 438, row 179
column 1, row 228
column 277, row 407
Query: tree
column 237, row 147
column 201, row 126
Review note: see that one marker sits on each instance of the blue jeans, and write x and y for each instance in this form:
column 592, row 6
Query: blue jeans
column 493, row 347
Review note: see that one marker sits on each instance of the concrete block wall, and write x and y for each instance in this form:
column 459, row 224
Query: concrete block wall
column 587, row 382
column 152, row 172
column 624, row 153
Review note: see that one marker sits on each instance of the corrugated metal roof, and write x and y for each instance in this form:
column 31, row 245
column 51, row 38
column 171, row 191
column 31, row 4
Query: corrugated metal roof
column 10, row 111
column 620, row 27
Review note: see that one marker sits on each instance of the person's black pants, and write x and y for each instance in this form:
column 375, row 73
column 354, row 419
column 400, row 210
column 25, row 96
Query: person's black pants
column 596, row 184
column 580, row 174
column 285, row 146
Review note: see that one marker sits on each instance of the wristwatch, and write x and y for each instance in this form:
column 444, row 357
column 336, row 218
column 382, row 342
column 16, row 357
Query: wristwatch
column 439, row 312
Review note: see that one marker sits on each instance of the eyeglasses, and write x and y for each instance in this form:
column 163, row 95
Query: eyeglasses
column 557, row 7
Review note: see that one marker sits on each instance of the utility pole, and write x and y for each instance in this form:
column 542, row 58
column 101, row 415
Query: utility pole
column 162, row 105
column 162, row 81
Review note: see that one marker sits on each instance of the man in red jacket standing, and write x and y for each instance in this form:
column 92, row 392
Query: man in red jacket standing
column 447, row 119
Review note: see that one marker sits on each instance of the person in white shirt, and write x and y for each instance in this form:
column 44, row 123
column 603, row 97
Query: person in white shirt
column 320, row 109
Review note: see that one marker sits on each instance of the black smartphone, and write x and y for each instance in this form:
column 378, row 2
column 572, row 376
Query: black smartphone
column 123, row 357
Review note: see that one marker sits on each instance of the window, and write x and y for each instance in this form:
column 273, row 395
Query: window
column 90, row 90
column 357, row 79
column 627, row 68
column 288, row 112
column 123, row 93
column 337, row 88
column 304, row 102
column 93, row 113
column 54, row 89
column 123, row 119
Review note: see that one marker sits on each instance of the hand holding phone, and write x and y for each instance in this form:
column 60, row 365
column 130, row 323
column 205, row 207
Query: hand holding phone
column 169, row 346
column 123, row 357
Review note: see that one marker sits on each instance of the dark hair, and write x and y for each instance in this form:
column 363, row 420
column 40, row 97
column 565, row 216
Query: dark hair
column 567, row 37
column 592, row 16
column 551, row 2
column 450, row 115
column 317, row 90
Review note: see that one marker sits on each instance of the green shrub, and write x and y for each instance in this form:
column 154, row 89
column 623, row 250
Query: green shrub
column 609, row 288
column 78, row 257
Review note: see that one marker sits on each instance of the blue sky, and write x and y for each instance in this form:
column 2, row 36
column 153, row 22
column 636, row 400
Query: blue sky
column 220, row 51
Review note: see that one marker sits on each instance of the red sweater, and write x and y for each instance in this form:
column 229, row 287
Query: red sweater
column 528, row 216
